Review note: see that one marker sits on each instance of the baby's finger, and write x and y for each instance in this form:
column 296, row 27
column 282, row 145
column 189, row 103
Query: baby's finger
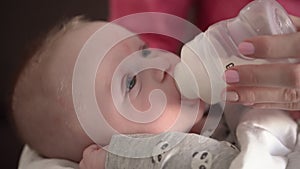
column 271, row 75
column 90, row 150
column 82, row 164
column 275, row 46
column 94, row 157
column 254, row 95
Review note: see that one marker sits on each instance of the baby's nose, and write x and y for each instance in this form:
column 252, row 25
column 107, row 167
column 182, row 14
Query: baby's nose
column 153, row 75
column 159, row 75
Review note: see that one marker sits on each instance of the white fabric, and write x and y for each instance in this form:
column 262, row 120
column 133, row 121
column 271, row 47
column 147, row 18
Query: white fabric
column 31, row 160
column 268, row 139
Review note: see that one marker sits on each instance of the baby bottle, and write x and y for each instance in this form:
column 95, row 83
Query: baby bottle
column 209, row 54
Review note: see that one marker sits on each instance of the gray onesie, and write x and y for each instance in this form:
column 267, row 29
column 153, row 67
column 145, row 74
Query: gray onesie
column 169, row 150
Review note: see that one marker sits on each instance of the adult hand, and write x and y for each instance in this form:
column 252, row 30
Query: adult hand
column 268, row 86
column 93, row 158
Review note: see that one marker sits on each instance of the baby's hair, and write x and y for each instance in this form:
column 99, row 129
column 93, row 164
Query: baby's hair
column 33, row 55
column 34, row 52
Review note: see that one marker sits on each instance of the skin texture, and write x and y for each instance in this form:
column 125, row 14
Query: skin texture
column 43, row 106
column 274, row 85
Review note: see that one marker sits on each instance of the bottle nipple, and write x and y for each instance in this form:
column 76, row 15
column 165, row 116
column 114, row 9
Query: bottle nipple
column 191, row 76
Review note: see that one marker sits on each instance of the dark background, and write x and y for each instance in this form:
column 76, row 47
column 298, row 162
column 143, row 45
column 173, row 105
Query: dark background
column 22, row 21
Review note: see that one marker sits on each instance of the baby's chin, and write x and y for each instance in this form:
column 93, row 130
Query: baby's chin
column 191, row 111
column 191, row 102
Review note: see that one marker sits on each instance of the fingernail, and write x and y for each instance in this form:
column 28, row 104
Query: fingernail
column 231, row 96
column 246, row 48
column 232, row 76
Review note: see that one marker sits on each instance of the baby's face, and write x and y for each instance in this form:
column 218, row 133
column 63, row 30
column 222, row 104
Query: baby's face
column 121, row 84
column 126, row 81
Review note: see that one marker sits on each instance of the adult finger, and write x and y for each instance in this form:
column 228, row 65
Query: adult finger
column 271, row 75
column 282, row 106
column 272, row 46
column 296, row 21
column 254, row 95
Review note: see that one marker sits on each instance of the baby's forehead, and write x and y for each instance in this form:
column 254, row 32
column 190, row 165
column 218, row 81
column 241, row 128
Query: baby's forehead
column 107, row 37
column 56, row 63
column 56, row 56
column 109, row 45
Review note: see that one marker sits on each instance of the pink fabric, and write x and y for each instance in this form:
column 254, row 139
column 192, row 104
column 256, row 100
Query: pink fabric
column 207, row 12
column 292, row 6
column 119, row 8
column 212, row 11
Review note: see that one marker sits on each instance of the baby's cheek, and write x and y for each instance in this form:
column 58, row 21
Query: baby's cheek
column 168, row 118
column 140, row 102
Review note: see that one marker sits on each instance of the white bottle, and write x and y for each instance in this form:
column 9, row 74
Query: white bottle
column 205, row 58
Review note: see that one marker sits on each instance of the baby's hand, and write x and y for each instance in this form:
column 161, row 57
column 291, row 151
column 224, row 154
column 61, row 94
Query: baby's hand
column 93, row 158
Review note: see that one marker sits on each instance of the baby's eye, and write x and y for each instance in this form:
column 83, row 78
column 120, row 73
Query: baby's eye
column 130, row 83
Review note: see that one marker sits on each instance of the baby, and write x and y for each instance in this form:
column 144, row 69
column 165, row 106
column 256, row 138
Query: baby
column 42, row 105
